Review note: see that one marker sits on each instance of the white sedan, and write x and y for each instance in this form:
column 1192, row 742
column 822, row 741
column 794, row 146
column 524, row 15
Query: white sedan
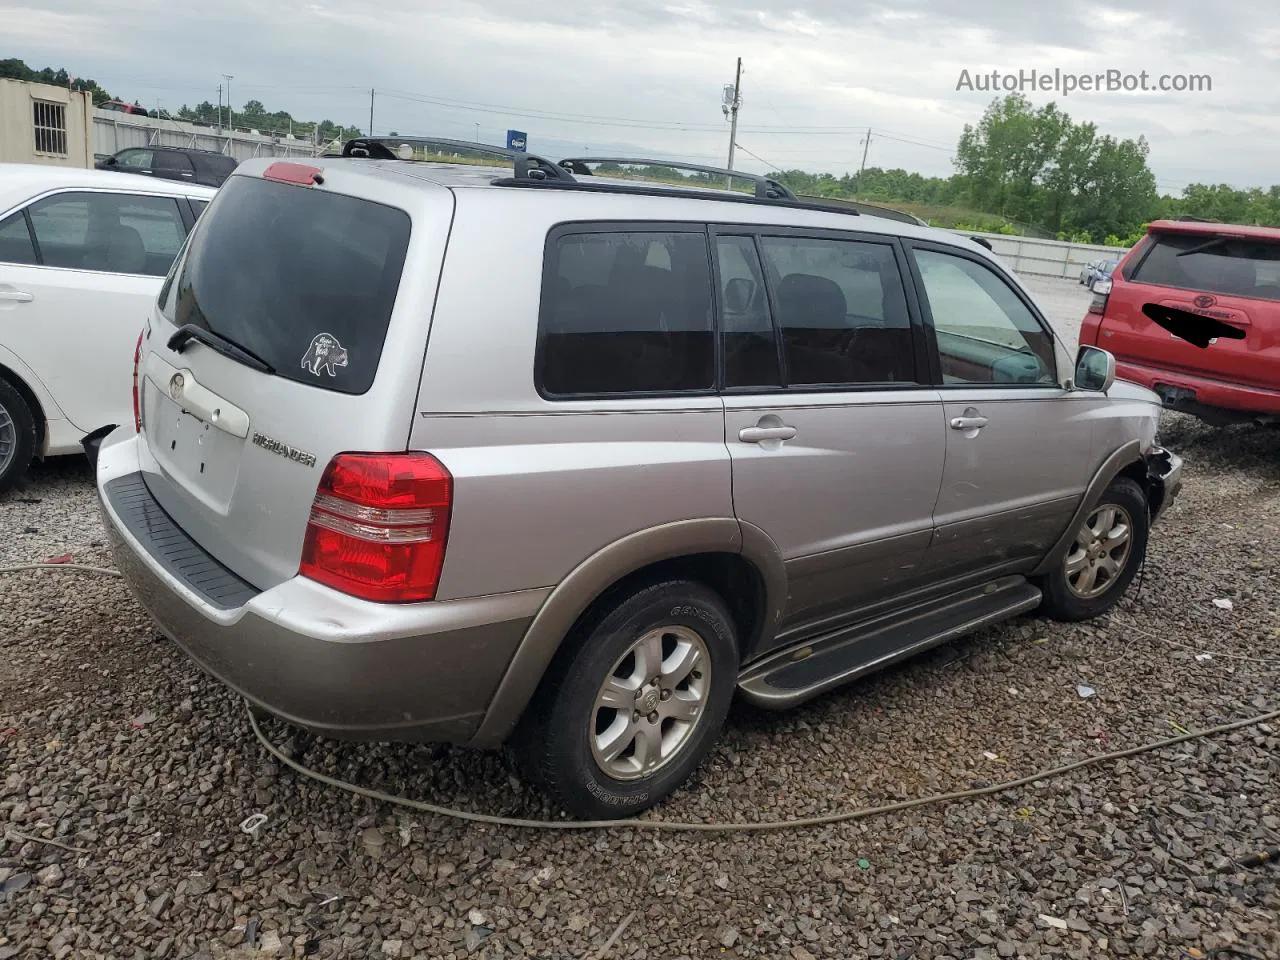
column 82, row 256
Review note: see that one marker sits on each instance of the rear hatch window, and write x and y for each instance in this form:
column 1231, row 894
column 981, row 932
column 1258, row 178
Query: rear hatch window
column 300, row 278
column 1228, row 266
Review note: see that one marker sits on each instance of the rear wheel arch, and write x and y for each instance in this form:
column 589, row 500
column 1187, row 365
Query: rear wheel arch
column 737, row 561
column 32, row 401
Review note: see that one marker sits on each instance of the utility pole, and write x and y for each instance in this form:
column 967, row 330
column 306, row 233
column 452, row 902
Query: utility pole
column 230, row 110
column 371, row 111
column 732, row 102
column 866, row 145
column 219, row 109
column 477, row 133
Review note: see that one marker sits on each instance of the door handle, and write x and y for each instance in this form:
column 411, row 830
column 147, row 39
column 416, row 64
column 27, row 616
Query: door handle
column 760, row 434
column 16, row 296
column 968, row 423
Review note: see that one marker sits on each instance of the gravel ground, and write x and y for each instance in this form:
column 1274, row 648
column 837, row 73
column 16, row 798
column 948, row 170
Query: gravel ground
column 111, row 742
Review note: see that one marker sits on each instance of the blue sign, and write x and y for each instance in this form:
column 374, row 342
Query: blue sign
column 517, row 140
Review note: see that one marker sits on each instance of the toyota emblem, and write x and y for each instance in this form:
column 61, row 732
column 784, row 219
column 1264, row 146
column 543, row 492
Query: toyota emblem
column 176, row 383
column 1204, row 301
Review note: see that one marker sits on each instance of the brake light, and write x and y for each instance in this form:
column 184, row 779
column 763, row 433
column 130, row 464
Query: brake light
column 379, row 525
column 137, row 397
column 1101, row 290
column 300, row 174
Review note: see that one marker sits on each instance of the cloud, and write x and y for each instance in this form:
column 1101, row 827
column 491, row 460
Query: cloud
column 647, row 74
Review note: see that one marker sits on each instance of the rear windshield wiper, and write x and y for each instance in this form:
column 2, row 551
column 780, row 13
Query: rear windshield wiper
column 1202, row 247
column 189, row 331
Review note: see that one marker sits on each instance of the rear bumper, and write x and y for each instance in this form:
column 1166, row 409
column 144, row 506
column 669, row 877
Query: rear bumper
column 1216, row 401
column 308, row 654
column 1164, row 480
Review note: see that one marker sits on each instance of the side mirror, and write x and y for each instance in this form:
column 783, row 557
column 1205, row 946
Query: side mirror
column 111, row 161
column 1095, row 370
column 738, row 293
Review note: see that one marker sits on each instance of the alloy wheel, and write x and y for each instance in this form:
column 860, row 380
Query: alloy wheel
column 651, row 703
column 1100, row 551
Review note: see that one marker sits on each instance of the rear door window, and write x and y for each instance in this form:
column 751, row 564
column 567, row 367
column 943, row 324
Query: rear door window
column 842, row 311
column 15, row 240
column 302, row 278
column 626, row 312
column 108, row 232
column 1214, row 264
column 171, row 163
column 746, row 328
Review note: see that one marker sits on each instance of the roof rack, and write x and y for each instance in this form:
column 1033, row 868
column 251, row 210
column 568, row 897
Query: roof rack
column 1190, row 219
column 528, row 166
column 766, row 187
column 849, row 205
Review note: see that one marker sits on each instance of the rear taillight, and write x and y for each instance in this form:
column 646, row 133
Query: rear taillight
column 379, row 525
column 137, row 396
column 1101, row 290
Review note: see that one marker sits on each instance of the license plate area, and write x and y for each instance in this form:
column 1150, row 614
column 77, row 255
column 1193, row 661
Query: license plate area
column 194, row 454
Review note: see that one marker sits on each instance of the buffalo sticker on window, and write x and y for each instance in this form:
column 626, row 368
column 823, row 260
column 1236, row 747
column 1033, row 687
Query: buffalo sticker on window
column 325, row 355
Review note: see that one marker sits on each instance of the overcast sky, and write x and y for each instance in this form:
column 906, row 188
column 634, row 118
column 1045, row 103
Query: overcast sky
column 647, row 75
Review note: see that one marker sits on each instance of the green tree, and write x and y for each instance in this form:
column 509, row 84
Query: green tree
column 1039, row 166
column 17, row 70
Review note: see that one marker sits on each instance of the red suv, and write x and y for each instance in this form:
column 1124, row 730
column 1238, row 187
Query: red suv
column 1229, row 273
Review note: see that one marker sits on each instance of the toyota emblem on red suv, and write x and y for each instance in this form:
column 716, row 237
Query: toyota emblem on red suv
column 1204, row 301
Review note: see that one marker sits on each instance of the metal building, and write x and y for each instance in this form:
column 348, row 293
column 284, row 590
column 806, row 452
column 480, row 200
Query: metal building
column 41, row 123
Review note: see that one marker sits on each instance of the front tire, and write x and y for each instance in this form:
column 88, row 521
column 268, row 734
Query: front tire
column 1105, row 554
column 628, row 712
column 17, row 436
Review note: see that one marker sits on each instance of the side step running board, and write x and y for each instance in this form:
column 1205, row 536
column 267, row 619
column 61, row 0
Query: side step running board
column 805, row 670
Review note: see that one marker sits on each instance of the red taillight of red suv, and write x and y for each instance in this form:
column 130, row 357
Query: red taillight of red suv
column 379, row 525
column 137, row 396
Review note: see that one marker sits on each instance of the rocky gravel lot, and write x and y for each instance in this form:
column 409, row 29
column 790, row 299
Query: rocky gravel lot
column 142, row 770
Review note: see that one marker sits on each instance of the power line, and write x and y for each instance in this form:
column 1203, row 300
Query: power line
column 914, row 143
column 602, row 120
column 771, row 166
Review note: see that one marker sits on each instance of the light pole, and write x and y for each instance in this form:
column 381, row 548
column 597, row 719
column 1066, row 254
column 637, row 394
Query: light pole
column 477, row 133
column 227, row 77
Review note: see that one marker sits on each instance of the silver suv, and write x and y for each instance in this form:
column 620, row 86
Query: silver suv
column 530, row 454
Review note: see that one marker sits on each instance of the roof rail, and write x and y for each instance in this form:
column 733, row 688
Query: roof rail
column 528, row 166
column 766, row 187
column 1190, row 219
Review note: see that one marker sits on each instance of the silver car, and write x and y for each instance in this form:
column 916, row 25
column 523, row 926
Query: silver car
column 525, row 454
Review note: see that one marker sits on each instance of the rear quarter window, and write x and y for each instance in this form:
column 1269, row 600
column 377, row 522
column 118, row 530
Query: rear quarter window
column 1214, row 264
column 304, row 279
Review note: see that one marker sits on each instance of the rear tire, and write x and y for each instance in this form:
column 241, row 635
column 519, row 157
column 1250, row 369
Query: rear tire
column 1108, row 549
column 17, row 436
column 668, row 657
